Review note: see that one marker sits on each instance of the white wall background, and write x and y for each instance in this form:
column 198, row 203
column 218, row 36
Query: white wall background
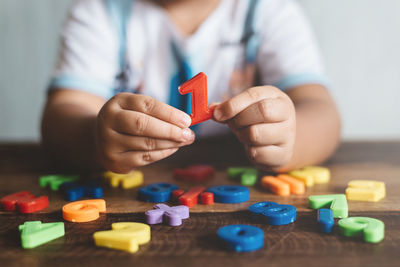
column 359, row 39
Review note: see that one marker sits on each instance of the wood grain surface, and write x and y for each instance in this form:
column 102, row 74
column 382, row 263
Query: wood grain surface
column 195, row 242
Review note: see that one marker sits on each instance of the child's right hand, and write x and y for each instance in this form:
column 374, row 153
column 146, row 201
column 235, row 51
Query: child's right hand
column 135, row 130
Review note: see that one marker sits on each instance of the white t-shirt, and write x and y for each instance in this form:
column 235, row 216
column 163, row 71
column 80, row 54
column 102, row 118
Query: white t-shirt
column 230, row 47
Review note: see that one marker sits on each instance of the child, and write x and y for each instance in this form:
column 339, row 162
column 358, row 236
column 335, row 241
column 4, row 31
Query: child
column 113, row 100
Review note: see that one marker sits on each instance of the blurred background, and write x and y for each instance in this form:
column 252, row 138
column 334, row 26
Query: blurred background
column 359, row 40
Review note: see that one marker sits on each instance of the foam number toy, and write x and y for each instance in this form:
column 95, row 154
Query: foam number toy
column 55, row 181
column 274, row 213
column 170, row 215
column 124, row 236
column 230, row 193
column 311, row 175
column 198, row 87
column 127, row 181
column 158, row 192
column 325, row 219
column 36, row 233
column 194, row 173
column 365, row 190
column 248, row 176
column 337, row 203
column 84, row 210
column 24, row 202
column 190, row 198
column 372, row 229
column 241, row 238
column 283, row 185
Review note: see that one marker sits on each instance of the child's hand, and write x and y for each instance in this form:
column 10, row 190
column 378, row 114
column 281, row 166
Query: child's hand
column 264, row 120
column 135, row 130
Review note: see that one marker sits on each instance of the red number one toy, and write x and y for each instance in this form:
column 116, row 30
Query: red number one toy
column 198, row 87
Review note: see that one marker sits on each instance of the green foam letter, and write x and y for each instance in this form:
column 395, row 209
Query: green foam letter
column 373, row 229
column 337, row 203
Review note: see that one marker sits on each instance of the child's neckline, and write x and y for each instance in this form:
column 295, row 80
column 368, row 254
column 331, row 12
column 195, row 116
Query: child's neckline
column 204, row 26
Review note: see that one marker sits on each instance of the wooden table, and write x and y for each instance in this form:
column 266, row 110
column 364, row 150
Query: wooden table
column 195, row 242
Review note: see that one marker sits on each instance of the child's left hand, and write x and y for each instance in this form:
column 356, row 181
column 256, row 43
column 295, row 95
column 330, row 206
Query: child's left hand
column 264, row 119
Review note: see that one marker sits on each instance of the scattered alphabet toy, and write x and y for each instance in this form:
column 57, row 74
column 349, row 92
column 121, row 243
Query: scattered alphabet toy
column 372, row 229
column 283, row 185
column 24, row 202
column 127, row 181
column 325, row 220
column 74, row 191
column 198, row 87
column 84, row 210
column 124, row 236
column 172, row 216
column 241, row 238
column 337, row 203
column 311, row 175
column 274, row 213
column 365, row 190
column 158, row 192
column 194, row 173
column 36, row 233
column 191, row 197
column 230, row 193
column 56, row 180
column 247, row 176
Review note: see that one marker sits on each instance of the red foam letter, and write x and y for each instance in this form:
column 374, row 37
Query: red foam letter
column 25, row 202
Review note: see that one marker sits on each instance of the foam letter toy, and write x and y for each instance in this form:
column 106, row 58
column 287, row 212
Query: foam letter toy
column 372, row 229
column 25, row 202
column 248, row 176
column 55, row 181
column 274, row 213
column 230, row 193
column 129, row 180
column 36, row 233
column 190, row 198
column 169, row 215
column 365, row 190
column 159, row 192
column 325, row 219
column 198, row 87
column 241, row 238
column 337, row 203
column 75, row 191
column 311, row 175
column 296, row 187
column 275, row 185
column 194, row 173
column 124, row 236
column 84, row 210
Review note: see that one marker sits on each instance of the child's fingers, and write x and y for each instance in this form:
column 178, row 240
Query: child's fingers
column 263, row 134
column 140, row 124
column 140, row 143
column 268, row 110
column 235, row 105
column 141, row 158
column 155, row 108
column 272, row 156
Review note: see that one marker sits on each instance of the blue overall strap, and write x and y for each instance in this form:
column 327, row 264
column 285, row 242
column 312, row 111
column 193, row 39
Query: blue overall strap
column 119, row 12
column 182, row 74
column 250, row 38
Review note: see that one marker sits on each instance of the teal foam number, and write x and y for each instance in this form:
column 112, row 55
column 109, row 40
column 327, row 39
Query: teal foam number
column 248, row 176
column 36, row 233
column 337, row 203
column 54, row 181
column 372, row 229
